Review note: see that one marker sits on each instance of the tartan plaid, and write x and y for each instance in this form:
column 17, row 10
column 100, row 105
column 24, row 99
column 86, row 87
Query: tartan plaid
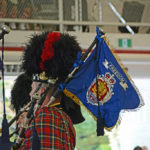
column 54, row 129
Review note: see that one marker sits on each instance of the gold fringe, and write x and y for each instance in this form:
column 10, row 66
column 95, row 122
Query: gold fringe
column 133, row 84
column 123, row 68
column 77, row 101
column 72, row 96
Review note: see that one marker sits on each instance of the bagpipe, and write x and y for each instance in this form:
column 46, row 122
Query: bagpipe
column 37, row 101
column 94, row 82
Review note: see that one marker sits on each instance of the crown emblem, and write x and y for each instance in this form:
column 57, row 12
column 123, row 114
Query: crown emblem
column 110, row 78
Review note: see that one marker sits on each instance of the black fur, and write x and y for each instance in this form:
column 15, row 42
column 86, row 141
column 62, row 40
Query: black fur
column 32, row 54
column 20, row 92
column 72, row 109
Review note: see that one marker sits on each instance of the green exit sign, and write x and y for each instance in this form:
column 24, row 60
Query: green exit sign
column 124, row 43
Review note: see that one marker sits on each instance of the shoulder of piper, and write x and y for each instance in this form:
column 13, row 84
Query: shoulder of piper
column 53, row 111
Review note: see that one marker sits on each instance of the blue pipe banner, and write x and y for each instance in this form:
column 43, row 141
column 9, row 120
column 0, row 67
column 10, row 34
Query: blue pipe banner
column 116, row 90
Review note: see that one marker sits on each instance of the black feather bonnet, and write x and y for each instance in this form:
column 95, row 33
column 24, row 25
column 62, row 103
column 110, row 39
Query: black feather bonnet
column 54, row 54
column 20, row 92
column 50, row 52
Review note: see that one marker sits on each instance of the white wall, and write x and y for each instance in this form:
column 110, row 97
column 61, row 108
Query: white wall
column 135, row 126
column 139, row 42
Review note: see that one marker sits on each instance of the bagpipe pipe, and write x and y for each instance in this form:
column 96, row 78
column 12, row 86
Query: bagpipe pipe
column 28, row 118
column 22, row 110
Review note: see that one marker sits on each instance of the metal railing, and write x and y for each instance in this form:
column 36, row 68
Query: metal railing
column 68, row 15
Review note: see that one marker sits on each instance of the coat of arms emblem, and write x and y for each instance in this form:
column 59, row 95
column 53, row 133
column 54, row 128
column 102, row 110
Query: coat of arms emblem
column 105, row 89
